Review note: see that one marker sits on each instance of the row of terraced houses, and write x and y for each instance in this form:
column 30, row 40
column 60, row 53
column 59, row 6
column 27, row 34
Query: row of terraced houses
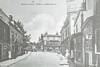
column 80, row 34
column 11, row 38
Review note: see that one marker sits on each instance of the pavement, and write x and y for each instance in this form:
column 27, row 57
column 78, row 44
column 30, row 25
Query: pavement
column 37, row 59
column 41, row 59
column 72, row 65
column 10, row 62
column 64, row 60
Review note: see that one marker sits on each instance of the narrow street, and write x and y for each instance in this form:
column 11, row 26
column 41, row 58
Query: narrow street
column 50, row 33
column 40, row 59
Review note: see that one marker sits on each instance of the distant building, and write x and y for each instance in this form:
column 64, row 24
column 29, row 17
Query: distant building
column 50, row 42
column 30, row 46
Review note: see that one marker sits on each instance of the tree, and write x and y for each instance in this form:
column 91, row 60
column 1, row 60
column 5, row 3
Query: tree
column 28, row 37
column 27, row 40
column 20, row 26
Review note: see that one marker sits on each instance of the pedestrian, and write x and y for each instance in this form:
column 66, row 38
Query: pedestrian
column 67, row 55
column 9, row 52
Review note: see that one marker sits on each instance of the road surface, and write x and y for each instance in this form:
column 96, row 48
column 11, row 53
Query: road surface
column 40, row 59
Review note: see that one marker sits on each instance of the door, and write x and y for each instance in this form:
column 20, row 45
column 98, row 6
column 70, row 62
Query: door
column 86, row 60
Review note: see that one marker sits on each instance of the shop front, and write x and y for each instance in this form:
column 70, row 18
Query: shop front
column 78, row 49
column 88, row 37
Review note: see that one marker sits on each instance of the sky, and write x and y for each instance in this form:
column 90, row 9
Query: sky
column 38, row 16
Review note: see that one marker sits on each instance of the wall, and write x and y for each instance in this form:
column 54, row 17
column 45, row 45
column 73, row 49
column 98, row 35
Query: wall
column 89, row 9
column 4, row 36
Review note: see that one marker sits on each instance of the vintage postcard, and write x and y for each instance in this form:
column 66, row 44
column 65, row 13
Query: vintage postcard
column 49, row 33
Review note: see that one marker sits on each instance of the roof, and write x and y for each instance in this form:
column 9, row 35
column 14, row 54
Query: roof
column 49, row 35
column 91, row 18
column 4, row 17
column 15, row 28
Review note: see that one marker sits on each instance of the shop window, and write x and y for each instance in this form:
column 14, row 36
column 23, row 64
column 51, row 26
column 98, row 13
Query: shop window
column 79, row 49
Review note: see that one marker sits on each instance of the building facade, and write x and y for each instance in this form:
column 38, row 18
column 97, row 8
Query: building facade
column 12, row 37
column 83, row 16
column 50, row 42
column 86, row 28
column 4, row 36
column 96, row 26
column 65, row 36
column 16, row 39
